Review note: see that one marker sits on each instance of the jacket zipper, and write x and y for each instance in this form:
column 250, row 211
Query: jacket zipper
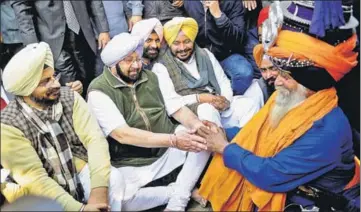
column 140, row 110
column 205, row 26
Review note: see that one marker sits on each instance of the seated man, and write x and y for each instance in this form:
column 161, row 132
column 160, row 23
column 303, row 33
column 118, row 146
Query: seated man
column 151, row 31
column 50, row 142
column 261, row 89
column 195, row 75
column 298, row 149
column 130, row 109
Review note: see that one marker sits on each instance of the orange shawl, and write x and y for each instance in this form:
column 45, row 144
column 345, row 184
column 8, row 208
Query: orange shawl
column 227, row 190
column 337, row 60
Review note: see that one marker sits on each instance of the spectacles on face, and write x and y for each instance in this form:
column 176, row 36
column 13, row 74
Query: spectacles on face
column 47, row 83
column 131, row 61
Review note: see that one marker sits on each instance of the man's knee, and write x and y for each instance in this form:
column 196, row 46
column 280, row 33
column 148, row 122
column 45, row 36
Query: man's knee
column 245, row 107
column 238, row 67
column 116, row 178
column 116, row 189
column 208, row 112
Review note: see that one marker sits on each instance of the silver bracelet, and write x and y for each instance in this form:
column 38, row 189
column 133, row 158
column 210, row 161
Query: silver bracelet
column 171, row 140
column 82, row 208
column 197, row 97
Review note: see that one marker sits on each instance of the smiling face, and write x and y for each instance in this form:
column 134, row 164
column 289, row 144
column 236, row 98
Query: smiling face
column 151, row 46
column 48, row 91
column 182, row 47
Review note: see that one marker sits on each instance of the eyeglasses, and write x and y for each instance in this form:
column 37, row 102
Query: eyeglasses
column 50, row 81
column 130, row 61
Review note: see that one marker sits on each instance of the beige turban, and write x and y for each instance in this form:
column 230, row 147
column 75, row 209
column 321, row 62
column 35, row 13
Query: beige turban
column 119, row 47
column 145, row 27
column 23, row 72
column 188, row 26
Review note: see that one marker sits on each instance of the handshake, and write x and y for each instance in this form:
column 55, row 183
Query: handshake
column 207, row 137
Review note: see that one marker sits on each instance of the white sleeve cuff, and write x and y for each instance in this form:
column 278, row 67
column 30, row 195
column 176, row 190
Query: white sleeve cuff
column 190, row 99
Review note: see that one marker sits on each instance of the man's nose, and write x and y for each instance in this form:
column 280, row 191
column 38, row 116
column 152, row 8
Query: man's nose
column 181, row 46
column 153, row 44
column 136, row 64
column 268, row 74
column 55, row 84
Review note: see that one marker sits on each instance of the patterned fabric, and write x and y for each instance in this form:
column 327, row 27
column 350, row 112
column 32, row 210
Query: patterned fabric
column 71, row 19
column 55, row 148
column 13, row 116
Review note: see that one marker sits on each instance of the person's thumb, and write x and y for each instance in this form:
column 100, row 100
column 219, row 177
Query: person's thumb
column 69, row 84
column 101, row 205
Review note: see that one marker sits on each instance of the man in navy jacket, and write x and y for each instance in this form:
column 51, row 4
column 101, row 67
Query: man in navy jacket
column 223, row 30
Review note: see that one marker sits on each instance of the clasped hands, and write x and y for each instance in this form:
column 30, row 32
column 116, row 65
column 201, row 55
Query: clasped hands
column 207, row 137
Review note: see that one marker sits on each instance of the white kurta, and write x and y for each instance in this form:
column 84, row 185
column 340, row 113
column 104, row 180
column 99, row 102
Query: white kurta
column 255, row 92
column 241, row 109
column 135, row 197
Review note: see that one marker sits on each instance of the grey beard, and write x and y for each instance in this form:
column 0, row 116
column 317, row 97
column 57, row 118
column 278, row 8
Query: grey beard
column 285, row 101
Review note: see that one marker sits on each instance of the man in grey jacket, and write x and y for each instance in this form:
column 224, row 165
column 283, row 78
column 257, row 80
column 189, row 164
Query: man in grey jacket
column 67, row 28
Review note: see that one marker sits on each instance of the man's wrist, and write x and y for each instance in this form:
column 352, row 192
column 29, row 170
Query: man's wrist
column 217, row 14
column 99, row 195
column 221, row 20
column 197, row 124
column 197, row 97
column 222, row 148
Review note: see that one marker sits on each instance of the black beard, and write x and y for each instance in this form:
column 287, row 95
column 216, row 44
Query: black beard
column 46, row 102
column 270, row 88
column 150, row 57
column 126, row 78
column 186, row 50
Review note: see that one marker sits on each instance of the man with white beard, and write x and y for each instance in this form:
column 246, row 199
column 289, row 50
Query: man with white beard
column 297, row 150
column 286, row 100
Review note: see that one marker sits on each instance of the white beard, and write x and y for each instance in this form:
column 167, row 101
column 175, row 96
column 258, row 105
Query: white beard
column 285, row 101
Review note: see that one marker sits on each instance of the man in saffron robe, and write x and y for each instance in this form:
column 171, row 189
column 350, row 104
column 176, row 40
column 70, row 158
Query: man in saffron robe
column 299, row 139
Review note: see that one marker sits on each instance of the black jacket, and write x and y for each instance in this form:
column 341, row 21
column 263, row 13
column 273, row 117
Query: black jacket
column 223, row 36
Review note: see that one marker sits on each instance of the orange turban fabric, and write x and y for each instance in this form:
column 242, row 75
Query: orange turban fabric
column 337, row 60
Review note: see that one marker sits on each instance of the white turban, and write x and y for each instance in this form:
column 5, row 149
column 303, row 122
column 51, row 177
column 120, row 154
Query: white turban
column 119, row 47
column 23, row 72
column 145, row 27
